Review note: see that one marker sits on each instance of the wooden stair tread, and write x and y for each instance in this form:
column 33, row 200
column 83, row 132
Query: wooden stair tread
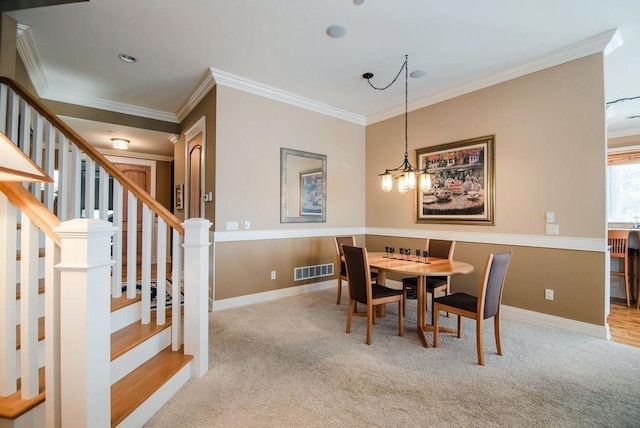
column 14, row 406
column 135, row 333
column 40, row 332
column 123, row 302
column 132, row 390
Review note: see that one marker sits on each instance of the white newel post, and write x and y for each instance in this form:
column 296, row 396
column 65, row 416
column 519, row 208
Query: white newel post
column 196, row 293
column 85, row 340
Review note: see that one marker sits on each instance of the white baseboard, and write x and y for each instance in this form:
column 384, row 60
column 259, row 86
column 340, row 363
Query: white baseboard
column 538, row 318
column 508, row 312
column 234, row 302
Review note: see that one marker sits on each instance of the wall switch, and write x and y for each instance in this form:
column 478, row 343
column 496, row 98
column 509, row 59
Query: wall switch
column 232, row 225
column 548, row 294
column 247, row 225
column 553, row 229
column 208, row 197
column 551, row 217
column 273, row 274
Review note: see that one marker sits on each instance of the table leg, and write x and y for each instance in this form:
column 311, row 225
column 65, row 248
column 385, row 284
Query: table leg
column 421, row 286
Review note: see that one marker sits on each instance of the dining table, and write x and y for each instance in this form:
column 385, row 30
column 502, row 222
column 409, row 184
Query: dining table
column 420, row 268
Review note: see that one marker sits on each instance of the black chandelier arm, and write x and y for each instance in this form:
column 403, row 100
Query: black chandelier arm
column 368, row 76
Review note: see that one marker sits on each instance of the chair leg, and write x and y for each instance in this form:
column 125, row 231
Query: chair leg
column 370, row 316
column 435, row 331
column 626, row 279
column 479, row 340
column 459, row 326
column 350, row 314
column 404, row 300
column 400, row 317
column 496, row 328
column 339, row 289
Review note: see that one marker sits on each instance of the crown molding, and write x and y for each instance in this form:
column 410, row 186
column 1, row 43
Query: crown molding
column 135, row 155
column 111, row 106
column 29, row 54
column 608, row 40
column 628, row 132
column 202, row 88
column 236, row 82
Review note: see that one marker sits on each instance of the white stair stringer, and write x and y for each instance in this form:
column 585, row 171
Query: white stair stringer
column 134, row 358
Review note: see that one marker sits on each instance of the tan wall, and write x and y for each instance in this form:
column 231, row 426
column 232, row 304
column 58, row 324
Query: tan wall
column 207, row 108
column 250, row 132
column 244, row 268
column 569, row 273
column 163, row 184
column 550, row 144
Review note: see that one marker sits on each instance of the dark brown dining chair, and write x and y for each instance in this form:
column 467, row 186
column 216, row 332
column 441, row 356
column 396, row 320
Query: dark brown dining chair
column 338, row 242
column 618, row 240
column 441, row 249
column 362, row 290
column 480, row 308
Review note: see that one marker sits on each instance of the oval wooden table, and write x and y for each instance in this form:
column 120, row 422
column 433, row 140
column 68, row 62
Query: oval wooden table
column 412, row 267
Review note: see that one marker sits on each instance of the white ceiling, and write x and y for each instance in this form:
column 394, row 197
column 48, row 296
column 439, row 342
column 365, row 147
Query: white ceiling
column 282, row 45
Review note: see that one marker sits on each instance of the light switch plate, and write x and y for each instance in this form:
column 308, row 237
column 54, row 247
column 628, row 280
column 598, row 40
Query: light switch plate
column 232, row 225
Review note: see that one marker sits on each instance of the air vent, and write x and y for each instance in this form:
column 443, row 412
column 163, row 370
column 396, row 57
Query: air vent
column 316, row 271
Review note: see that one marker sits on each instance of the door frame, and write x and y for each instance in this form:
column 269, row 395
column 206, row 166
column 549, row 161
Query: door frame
column 197, row 128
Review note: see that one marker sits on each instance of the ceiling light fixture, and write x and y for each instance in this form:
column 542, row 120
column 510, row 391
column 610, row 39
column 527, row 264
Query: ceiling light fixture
column 120, row 143
column 405, row 173
column 127, row 58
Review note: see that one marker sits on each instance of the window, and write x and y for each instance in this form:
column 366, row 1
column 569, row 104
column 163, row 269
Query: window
column 624, row 192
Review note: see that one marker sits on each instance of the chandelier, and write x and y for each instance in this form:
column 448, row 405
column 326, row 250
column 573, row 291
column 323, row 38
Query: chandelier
column 406, row 174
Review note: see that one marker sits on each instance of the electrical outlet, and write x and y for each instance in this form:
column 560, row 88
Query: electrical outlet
column 232, row 225
column 548, row 294
column 273, row 274
column 552, row 229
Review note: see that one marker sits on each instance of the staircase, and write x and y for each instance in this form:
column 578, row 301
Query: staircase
column 80, row 346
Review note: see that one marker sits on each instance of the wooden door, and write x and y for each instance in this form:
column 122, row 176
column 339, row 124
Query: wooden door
column 141, row 175
column 194, row 148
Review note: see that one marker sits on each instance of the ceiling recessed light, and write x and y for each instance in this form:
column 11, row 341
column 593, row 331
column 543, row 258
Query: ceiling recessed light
column 127, row 58
column 416, row 74
column 358, row 2
column 336, row 31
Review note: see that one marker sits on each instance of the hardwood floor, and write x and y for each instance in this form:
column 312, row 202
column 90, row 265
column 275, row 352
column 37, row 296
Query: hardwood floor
column 624, row 323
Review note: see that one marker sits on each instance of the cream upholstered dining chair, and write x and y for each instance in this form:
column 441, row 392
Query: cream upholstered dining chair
column 480, row 308
column 362, row 290
column 338, row 242
column 618, row 240
column 441, row 249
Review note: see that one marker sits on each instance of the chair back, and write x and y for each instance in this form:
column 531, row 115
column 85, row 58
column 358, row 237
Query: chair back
column 338, row 242
column 441, row 249
column 619, row 242
column 490, row 295
column 358, row 273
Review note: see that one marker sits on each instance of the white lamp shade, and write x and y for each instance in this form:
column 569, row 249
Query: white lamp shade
column 425, row 181
column 387, row 182
column 410, row 179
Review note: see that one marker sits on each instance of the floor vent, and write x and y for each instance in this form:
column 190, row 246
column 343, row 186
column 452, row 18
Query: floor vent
column 308, row 272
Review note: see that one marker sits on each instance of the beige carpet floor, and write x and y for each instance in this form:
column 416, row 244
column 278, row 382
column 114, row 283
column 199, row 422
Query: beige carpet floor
column 289, row 363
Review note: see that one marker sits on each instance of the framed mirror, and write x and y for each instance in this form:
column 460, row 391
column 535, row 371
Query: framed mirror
column 303, row 184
